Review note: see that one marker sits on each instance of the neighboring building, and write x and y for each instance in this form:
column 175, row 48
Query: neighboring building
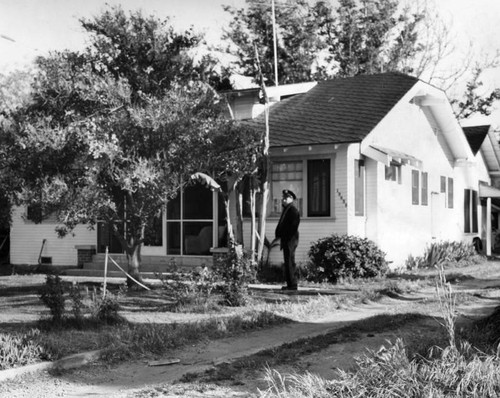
column 378, row 156
column 484, row 145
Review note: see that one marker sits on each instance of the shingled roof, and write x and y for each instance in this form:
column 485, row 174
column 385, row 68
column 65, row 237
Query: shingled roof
column 336, row 111
column 475, row 136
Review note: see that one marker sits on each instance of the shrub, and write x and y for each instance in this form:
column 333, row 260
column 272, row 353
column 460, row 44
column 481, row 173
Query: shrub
column 236, row 271
column 438, row 253
column 345, row 256
column 191, row 291
column 106, row 310
column 77, row 304
column 52, row 295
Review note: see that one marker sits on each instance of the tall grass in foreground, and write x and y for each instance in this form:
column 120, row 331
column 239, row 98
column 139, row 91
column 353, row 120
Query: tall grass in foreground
column 389, row 373
column 20, row 349
column 459, row 370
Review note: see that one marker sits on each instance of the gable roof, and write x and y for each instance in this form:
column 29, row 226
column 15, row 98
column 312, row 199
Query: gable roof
column 475, row 136
column 336, row 111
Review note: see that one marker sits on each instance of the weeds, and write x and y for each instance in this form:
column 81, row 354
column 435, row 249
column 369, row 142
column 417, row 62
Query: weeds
column 438, row 253
column 447, row 305
column 191, row 292
column 20, row 349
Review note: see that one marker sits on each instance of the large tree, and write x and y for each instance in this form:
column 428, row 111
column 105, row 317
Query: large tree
column 318, row 40
column 325, row 39
column 372, row 36
column 14, row 91
column 113, row 133
column 297, row 41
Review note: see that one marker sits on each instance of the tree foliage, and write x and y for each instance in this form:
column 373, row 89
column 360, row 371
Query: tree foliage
column 14, row 91
column 144, row 50
column 473, row 102
column 297, row 45
column 372, row 36
column 317, row 40
column 112, row 133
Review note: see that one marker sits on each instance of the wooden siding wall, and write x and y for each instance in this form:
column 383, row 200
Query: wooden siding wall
column 26, row 241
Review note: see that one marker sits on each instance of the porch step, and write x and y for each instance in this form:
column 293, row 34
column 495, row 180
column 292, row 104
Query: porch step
column 149, row 264
column 96, row 273
column 145, row 267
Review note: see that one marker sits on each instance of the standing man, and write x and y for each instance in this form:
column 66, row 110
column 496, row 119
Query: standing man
column 287, row 231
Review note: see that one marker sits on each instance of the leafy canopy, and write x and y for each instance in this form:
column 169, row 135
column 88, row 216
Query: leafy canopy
column 115, row 131
column 316, row 40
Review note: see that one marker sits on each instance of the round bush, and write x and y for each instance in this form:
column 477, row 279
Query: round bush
column 345, row 256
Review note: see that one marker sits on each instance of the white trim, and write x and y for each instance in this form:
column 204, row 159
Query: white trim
column 386, row 156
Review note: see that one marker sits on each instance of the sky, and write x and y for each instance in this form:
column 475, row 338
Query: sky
column 33, row 27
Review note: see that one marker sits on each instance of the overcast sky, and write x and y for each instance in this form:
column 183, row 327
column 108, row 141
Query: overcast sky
column 37, row 26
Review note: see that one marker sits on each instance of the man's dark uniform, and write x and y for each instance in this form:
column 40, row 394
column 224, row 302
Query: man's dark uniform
column 288, row 232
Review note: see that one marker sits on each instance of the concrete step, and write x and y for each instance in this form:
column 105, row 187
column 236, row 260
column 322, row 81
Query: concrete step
column 151, row 263
column 111, row 266
column 95, row 273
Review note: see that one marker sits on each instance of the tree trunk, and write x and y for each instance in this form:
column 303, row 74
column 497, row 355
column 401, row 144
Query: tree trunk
column 239, row 219
column 230, row 232
column 266, row 164
column 253, row 226
column 134, row 263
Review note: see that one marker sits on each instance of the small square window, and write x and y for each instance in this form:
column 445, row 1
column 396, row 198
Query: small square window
column 393, row 173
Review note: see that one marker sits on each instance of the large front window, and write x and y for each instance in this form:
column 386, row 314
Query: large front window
column 190, row 222
column 318, row 188
column 286, row 175
column 310, row 180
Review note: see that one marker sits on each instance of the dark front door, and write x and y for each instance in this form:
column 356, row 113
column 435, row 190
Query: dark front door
column 105, row 237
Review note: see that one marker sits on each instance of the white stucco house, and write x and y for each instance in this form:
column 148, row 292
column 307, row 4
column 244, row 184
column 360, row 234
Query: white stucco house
column 378, row 156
